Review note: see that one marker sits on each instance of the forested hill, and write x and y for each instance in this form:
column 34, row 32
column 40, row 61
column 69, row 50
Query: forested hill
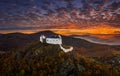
column 20, row 41
column 44, row 59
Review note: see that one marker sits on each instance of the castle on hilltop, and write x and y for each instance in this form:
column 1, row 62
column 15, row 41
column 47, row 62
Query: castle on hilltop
column 56, row 39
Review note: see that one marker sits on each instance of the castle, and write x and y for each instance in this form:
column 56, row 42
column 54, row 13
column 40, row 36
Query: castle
column 56, row 39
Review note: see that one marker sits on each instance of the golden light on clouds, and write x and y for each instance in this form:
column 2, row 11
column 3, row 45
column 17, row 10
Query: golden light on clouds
column 74, row 30
column 94, row 30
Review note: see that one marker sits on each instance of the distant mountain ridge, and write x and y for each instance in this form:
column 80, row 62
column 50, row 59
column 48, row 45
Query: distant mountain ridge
column 19, row 41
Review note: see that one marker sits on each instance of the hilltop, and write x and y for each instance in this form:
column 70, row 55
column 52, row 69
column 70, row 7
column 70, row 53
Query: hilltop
column 24, row 55
column 20, row 41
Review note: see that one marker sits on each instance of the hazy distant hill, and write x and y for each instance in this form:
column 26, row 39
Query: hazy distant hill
column 19, row 41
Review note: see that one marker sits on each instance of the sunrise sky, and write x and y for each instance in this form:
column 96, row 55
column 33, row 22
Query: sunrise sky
column 61, row 16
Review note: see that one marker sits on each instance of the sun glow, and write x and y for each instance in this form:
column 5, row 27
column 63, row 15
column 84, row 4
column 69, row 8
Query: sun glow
column 94, row 30
column 73, row 30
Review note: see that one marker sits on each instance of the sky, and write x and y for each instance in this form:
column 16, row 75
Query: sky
column 58, row 14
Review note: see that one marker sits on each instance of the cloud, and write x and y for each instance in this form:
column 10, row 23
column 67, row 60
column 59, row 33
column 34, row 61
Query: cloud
column 51, row 13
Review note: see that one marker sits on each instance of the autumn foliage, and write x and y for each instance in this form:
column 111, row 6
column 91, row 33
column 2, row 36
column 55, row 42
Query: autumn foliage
column 49, row 60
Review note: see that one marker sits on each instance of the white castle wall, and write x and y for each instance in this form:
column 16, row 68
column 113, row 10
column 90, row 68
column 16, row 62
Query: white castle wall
column 53, row 40
column 57, row 41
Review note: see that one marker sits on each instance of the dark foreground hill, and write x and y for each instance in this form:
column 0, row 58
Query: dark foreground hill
column 20, row 41
column 49, row 60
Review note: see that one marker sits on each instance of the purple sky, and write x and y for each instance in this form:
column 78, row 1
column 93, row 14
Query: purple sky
column 33, row 14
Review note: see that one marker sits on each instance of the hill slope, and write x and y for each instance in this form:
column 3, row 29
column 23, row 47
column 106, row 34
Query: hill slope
column 44, row 59
column 19, row 41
